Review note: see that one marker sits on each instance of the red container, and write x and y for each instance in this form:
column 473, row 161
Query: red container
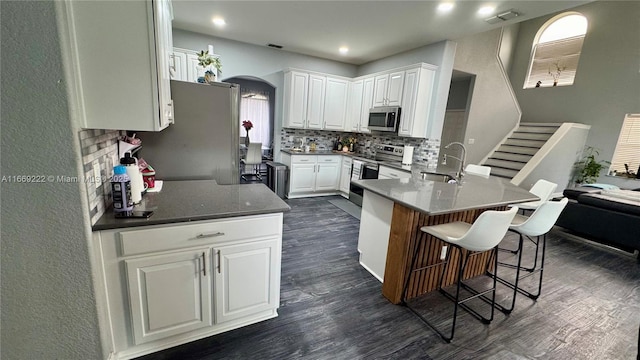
column 149, row 178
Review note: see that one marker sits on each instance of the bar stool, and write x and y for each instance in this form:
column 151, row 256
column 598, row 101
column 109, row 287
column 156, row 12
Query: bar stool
column 537, row 225
column 481, row 170
column 483, row 235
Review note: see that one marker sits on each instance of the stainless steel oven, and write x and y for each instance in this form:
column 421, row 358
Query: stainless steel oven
column 361, row 169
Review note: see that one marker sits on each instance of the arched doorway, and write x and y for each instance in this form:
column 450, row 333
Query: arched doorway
column 257, row 104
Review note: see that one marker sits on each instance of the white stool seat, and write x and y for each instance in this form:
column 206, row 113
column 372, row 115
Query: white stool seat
column 469, row 239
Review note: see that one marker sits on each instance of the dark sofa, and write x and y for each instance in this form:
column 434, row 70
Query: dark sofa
column 594, row 215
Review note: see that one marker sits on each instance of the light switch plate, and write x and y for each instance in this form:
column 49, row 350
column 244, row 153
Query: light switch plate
column 97, row 178
column 443, row 253
column 472, row 141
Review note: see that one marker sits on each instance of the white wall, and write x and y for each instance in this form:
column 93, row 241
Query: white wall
column 48, row 303
column 493, row 111
column 607, row 84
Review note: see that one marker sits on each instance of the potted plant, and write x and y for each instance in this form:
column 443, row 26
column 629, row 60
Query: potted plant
column 589, row 168
column 208, row 61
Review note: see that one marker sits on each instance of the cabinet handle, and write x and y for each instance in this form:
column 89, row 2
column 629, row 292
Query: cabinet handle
column 204, row 236
column 204, row 264
column 218, row 261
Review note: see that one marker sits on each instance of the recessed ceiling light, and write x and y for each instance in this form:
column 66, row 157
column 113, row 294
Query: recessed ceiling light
column 343, row 50
column 486, row 10
column 445, row 7
column 218, row 21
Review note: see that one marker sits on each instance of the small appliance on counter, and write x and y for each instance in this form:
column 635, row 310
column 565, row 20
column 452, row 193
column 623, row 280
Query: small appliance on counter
column 122, row 195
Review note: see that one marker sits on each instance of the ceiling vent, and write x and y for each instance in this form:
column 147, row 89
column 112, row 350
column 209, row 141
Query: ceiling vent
column 275, row 46
column 502, row 17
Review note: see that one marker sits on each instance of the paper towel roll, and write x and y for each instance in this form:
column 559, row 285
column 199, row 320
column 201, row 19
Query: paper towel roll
column 407, row 155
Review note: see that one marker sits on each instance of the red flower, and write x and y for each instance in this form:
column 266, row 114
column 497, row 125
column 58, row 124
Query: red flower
column 247, row 124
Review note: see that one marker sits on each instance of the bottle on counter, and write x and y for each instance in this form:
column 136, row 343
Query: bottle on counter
column 121, row 190
column 137, row 184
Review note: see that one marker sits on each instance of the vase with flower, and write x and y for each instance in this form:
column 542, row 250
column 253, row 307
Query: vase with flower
column 248, row 125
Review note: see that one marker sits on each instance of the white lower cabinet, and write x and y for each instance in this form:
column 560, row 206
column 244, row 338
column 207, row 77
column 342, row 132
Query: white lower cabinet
column 166, row 285
column 313, row 175
column 244, row 278
column 169, row 294
column 345, row 176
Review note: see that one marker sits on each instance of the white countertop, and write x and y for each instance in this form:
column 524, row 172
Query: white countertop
column 436, row 198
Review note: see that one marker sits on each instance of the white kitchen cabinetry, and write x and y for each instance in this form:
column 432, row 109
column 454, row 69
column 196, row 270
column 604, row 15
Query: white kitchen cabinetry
column 244, row 278
column 170, row 294
column 315, row 102
column 313, row 175
column 416, row 101
column 360, row 102
column 385, row 172
column 296, row 87
column 335, row 104
column 186, row 65
column 166, row 285
column 120, row 84
column 388, row 89
column 345, row 176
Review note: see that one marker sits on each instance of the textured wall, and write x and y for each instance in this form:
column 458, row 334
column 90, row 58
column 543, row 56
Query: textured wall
column 48, row 306
column 607, row 83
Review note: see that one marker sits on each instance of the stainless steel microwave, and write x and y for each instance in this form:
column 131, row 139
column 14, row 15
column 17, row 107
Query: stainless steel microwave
column 384, row 118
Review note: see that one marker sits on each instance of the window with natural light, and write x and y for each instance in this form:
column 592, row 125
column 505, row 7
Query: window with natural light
column 626, row 158
column 556, row 51
column 254, row 106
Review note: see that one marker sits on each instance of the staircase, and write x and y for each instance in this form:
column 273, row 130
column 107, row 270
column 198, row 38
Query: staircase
column 513, row 154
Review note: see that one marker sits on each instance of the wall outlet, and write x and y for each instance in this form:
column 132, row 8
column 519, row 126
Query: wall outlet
column 472, row 141
column 443, row 253
column 97, row 177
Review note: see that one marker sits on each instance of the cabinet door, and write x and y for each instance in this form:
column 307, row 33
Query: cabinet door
column 345, row 175
column 295, row 96
column 315, row 102
column 247, row 279
column 335, row 104
column 367, row 103
column 194, row 71
column 328, row 176
column 179, row 66
column 164, row 49
column 409, row 102
column 169, row 294
column 394, row 91
column 302, row 178
column 354, row 106
column 380, row 90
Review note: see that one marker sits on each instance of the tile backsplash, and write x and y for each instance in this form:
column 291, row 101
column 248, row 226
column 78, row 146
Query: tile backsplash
column 425, row 152
column 99, row 146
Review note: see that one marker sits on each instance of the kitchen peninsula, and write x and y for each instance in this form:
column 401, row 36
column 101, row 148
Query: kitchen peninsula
column 207, row 261
column 393, row 211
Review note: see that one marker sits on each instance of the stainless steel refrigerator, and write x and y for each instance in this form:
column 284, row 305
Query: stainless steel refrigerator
column 203, row 142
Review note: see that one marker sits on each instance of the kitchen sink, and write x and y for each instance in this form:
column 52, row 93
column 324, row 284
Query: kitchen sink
column 437, row 177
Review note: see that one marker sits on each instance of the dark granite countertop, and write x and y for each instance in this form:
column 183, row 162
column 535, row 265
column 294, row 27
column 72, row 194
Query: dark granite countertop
column 436, row 198
column 184, row 201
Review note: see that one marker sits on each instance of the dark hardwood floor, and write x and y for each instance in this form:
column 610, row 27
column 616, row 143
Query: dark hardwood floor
column 331, row 308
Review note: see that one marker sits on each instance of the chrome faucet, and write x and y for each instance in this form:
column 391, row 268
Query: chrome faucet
column 462, row 160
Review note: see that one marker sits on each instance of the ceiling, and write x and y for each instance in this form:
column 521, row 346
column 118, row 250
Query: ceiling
column 370, row 29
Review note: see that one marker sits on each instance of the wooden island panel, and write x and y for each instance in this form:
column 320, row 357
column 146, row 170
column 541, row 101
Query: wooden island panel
column 405, row 235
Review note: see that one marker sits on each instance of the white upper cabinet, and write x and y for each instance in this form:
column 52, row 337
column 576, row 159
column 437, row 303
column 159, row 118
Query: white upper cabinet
column 416, row 101
column 367, row 103
column 335, row 104
column 178, row 65
column 296, row 85
column 388, row 89
column 354, row 106
column 121, row 53
column 315, row 103
column 185, row 66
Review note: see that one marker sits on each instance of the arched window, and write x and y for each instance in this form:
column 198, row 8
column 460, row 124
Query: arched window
column 556, row 51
